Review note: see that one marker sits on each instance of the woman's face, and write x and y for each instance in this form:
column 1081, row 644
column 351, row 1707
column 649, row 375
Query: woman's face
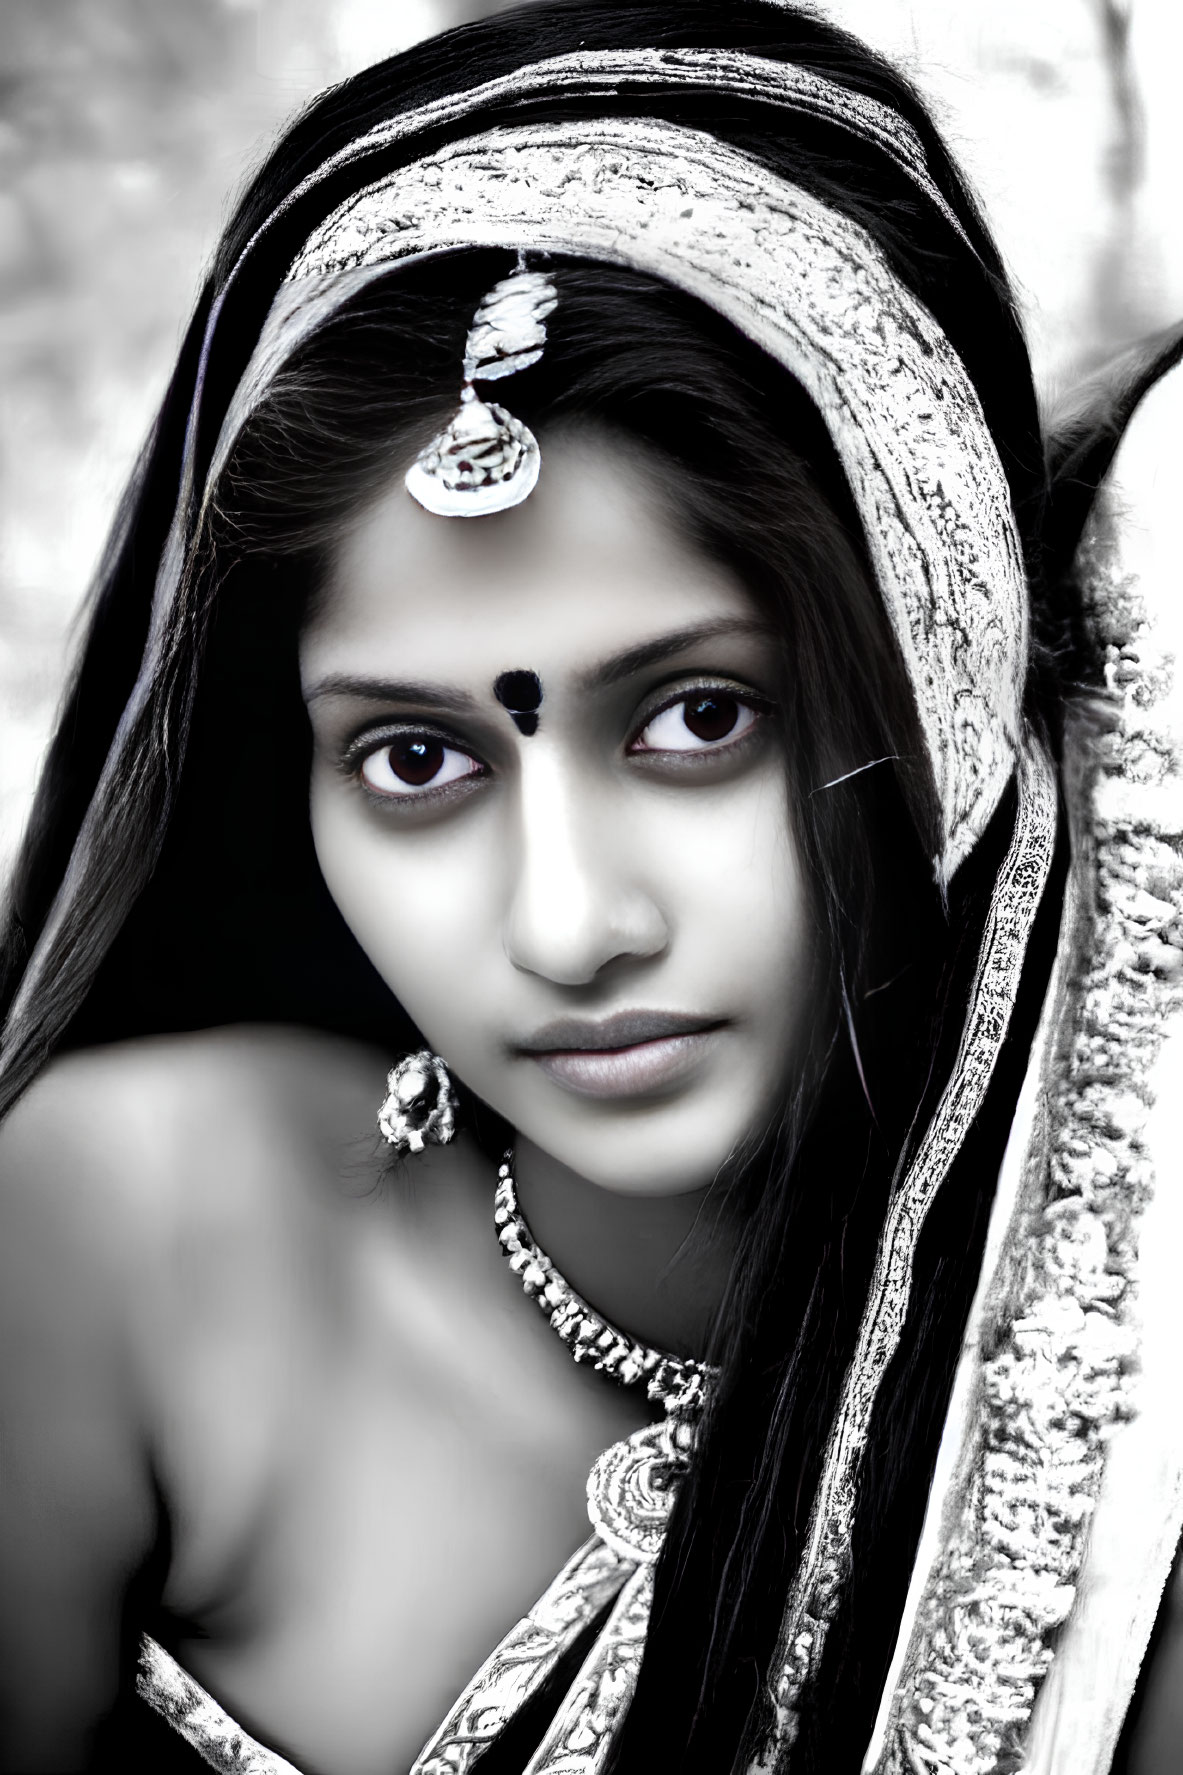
column 581, row 880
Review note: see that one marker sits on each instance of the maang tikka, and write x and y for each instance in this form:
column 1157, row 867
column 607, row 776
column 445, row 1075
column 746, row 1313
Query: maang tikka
column 486, row 460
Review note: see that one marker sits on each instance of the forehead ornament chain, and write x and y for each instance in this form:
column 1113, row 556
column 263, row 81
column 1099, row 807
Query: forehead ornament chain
column 486, row 460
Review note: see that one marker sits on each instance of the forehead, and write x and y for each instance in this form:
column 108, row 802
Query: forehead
column 591, row 564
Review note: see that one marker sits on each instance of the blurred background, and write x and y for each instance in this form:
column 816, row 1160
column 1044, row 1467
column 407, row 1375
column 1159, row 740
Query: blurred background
column 126, row 125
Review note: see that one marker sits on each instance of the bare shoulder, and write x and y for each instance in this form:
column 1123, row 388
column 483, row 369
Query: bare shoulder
column 128, row 1171
column 146, row 1193
column 120, row 1147
column 147, row 1242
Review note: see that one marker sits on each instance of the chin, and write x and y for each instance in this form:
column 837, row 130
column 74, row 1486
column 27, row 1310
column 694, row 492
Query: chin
column 645, row 1150
column 659, row 1130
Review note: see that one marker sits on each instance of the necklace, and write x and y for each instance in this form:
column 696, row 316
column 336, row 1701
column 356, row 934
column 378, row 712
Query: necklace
column 677, row 1382
column 630, row 1494
column 632, row 1486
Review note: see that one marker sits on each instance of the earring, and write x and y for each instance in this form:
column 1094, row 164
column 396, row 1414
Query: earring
column 420, row 1103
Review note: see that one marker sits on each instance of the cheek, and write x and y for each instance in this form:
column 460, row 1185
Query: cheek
column 413, row 902
column 731, row 870
column 751, row 943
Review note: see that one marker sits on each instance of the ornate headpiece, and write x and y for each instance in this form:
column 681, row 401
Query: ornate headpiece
column 486, row 460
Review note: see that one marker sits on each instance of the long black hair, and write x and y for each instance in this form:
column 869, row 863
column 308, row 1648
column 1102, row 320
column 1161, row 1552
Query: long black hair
column 204, row 907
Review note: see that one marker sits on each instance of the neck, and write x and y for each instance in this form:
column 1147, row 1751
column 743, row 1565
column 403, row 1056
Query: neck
column 653, row 1266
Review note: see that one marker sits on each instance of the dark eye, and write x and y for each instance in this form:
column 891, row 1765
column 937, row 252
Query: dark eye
column 703, row 719
column 414, row 762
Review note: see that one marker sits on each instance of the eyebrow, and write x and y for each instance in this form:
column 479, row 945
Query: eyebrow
column 663, row 647
column 388, row 690
column 610, row 671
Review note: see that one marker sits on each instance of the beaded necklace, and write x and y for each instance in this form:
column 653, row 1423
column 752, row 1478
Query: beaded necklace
column 632, row 1486
column 677, row 1382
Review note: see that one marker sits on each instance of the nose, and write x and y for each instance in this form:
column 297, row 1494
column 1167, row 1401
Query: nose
column 577, row 901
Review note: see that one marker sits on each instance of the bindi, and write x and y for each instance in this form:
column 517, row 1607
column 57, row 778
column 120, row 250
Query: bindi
column 520, row 695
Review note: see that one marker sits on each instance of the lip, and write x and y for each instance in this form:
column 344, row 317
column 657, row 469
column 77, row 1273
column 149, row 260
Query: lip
column 630, row 1054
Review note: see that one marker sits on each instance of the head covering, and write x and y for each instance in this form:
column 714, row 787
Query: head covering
column 625, row 182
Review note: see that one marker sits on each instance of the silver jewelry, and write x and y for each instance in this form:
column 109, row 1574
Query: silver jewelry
column 420, row 1103
column 677, row 1382
column 486, row 460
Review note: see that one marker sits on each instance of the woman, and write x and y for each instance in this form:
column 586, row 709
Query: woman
column 691, row 811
